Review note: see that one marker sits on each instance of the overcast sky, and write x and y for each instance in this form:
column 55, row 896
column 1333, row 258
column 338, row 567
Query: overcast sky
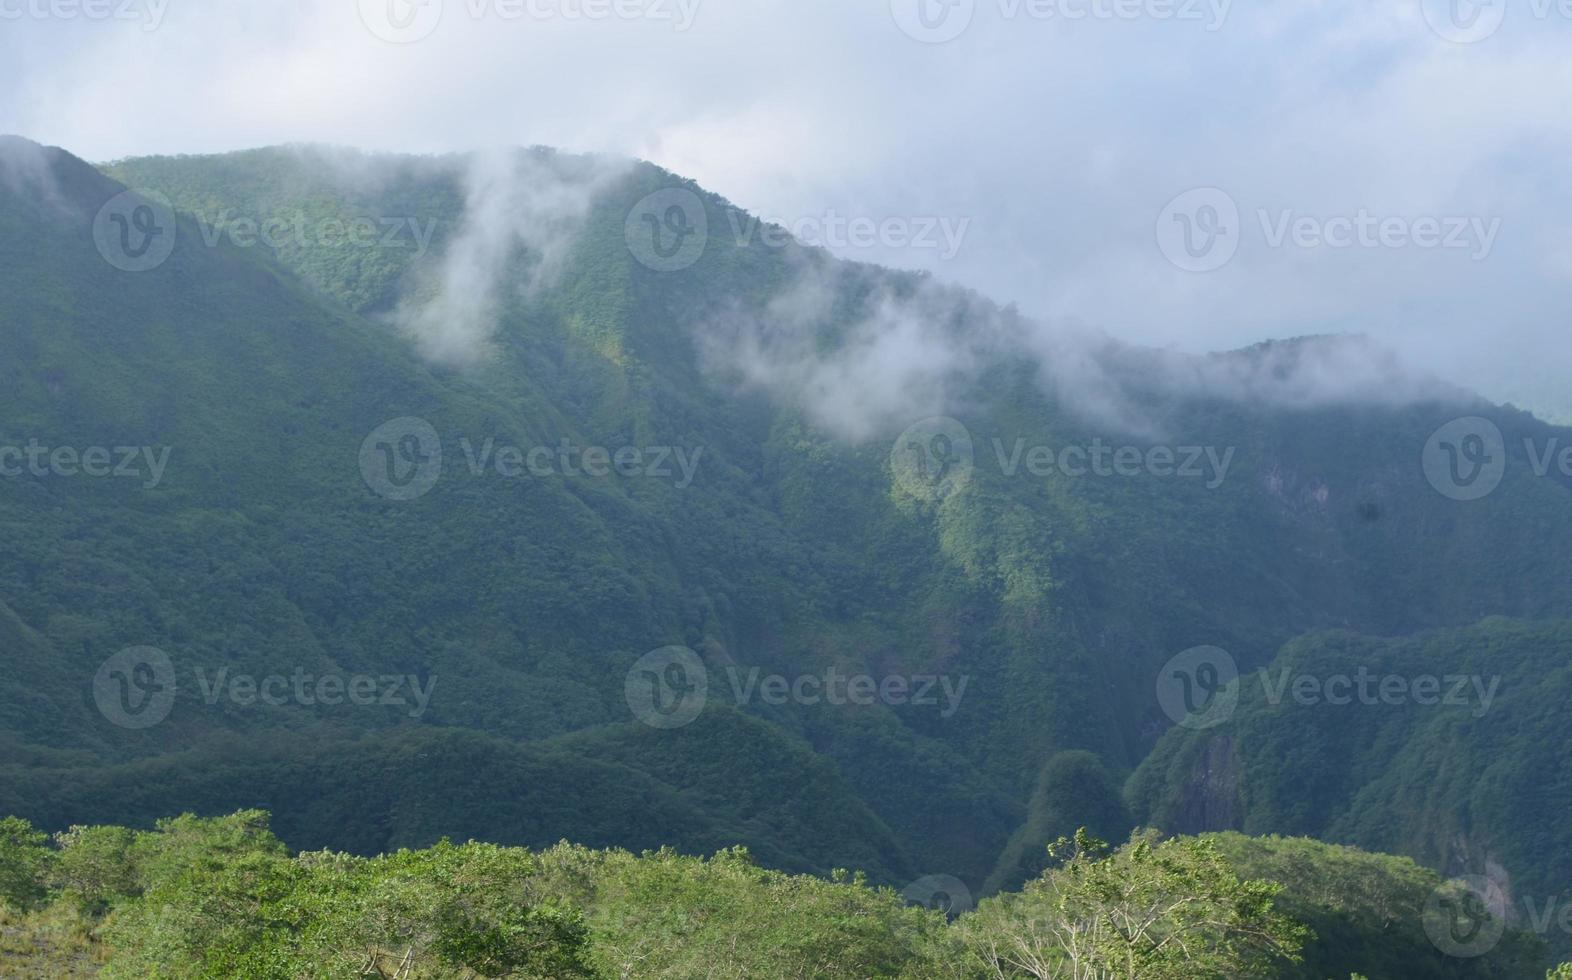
column 1197, row 176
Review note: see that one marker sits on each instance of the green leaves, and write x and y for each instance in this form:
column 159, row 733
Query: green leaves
column 24, row 860
column 1152, row 910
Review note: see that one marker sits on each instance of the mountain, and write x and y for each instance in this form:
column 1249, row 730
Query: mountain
column 830, row 470
column 1460, row 770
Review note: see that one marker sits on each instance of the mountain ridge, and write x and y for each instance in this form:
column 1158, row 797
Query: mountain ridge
column 796, row 548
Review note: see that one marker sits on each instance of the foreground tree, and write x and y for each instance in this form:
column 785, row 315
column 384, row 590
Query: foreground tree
column 1153, row 910
column 24, row 860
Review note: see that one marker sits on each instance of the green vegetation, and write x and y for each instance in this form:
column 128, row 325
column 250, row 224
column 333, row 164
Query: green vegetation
column 1470, row 782
column 222, row 897
column 1057, row 599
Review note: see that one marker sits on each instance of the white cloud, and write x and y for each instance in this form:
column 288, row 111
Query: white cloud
column 1059, row 141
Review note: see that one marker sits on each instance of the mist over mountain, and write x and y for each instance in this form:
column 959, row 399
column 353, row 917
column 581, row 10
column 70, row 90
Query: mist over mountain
column 635, row 529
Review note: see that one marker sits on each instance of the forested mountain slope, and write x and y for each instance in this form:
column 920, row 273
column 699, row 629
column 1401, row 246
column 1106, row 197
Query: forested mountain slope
column 771, row 519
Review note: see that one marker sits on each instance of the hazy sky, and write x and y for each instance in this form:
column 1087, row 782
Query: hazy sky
column 1195, row 175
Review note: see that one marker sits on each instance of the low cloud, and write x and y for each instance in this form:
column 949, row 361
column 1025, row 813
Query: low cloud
column 910, row 348
column 523, row 213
